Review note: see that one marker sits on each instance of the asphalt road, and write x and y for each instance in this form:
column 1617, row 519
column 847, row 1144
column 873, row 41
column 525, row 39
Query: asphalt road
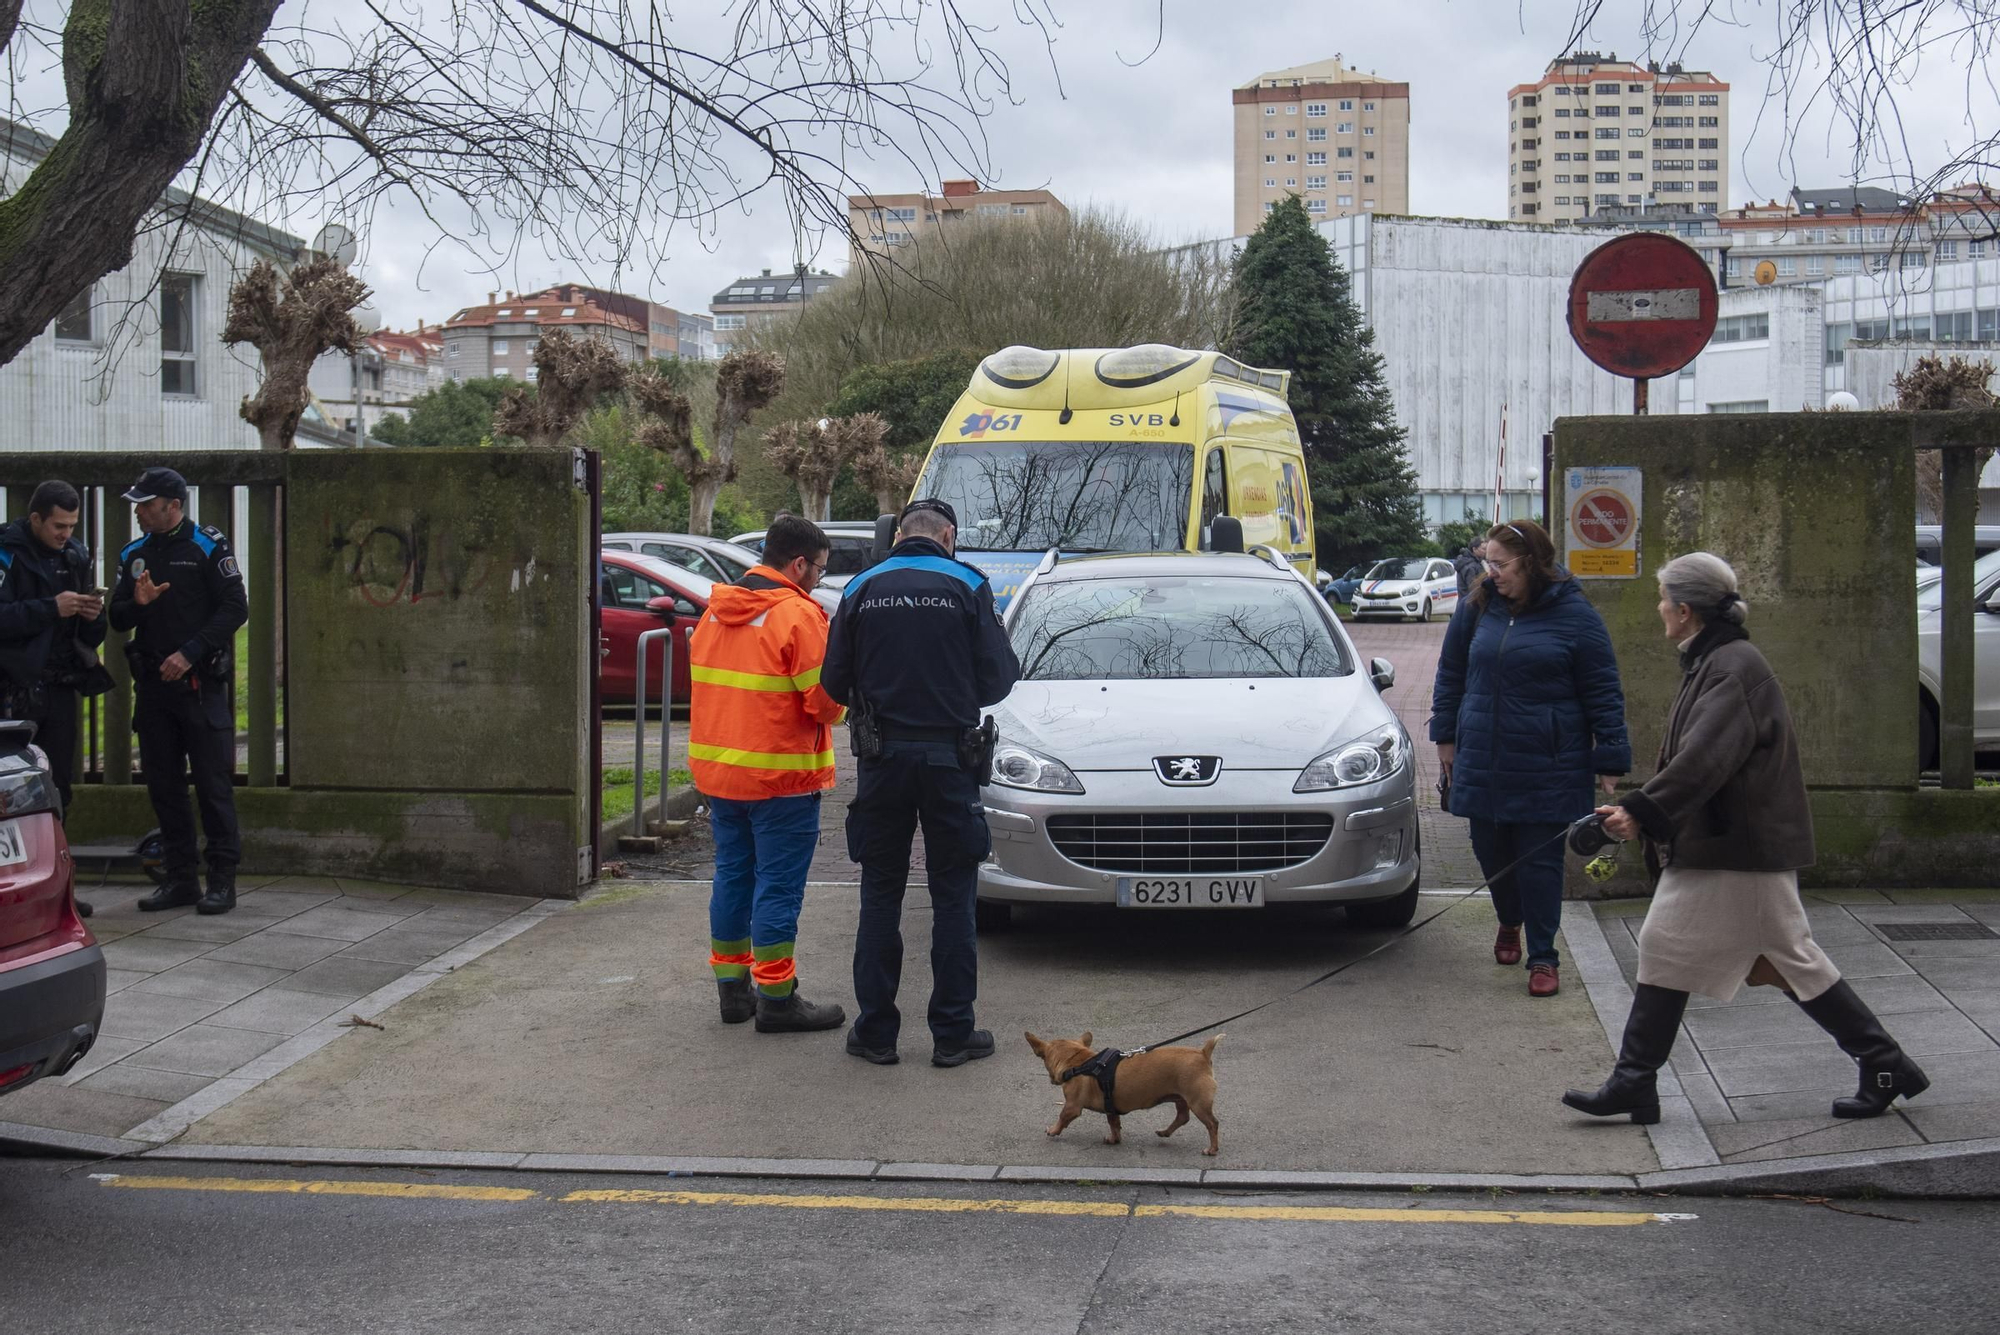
column 168, row 1248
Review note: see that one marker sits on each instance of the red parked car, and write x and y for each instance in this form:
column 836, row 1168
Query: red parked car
column 640, row 593
column 51, row 967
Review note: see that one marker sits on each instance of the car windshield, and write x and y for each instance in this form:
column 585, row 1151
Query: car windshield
column 1984, row 571
column 1173, row 628
column 848, row 556
column 1400, row 567
column 1091, row 496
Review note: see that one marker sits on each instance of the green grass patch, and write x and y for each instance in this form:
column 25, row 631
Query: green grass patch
column 617, row 798
column 243, row 684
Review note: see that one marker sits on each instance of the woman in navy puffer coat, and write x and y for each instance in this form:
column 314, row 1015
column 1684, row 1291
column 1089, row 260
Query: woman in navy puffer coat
column 1527, row 707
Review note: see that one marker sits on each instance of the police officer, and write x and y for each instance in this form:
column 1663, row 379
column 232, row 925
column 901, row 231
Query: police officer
column 51, row 622
column 180, row 586
column 916, row 651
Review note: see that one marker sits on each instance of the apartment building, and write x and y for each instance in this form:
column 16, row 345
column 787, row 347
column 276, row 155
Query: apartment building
column 749, row 302
column 1338, row 138
column 1818, row 234
column 500, row 337
column 1599, row 133
column 884, row 224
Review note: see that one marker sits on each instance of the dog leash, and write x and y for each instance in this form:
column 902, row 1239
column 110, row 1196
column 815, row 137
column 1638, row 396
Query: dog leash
column 1358, row 959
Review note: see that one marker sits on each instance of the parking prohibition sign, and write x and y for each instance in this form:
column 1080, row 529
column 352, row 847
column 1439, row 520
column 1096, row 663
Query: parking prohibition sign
column 1604, row 517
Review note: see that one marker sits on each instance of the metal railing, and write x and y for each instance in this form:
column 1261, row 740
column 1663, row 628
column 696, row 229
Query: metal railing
column 646, row 638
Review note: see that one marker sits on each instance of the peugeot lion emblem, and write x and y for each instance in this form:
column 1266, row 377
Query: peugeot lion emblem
column 1187, row 771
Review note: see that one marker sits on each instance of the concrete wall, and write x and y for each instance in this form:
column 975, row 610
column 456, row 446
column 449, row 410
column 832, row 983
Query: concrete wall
column 1783, row 370
column 1812, row 511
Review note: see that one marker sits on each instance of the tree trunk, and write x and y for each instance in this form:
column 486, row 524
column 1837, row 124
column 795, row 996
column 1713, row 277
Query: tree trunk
column 701, row 505
column 889, row 502
column 816, row 500
column 145, row 78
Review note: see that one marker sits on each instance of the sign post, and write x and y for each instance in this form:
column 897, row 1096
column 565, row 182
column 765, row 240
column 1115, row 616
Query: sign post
column 1642, row 306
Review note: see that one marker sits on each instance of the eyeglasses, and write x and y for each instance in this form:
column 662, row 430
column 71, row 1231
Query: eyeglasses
column 1497, row 566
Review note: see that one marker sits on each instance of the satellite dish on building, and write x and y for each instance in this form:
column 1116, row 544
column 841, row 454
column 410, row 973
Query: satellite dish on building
column 1766, row 273
column 337, row 242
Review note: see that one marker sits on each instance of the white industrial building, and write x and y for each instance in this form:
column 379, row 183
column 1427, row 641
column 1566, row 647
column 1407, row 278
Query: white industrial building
column 137, row 362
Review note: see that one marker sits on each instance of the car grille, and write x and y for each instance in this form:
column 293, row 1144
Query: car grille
column 1214, row 842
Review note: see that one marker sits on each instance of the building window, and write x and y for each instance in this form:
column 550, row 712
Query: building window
column 1346, row 104
column 1369, row 204
column 1711, row 122
column 1562, row 199
column 73, row 322
column 1270, row 183
column 1815, row 265
column 1847, row 264
column 1270, row 111
column 1291, row 182
column 1562, row 111
column 1315, row 206
column 1315, row 183
column 1368, row 155
column 1707, row 187
column 1608, row 178
column 1367, row 131
column 1345, row 178
column 1607, row 155
column 1291, row 157
column 1316, row 135
column 1270, row 158
column 1315, row 109
column 1788, row 267
column 1742, row 328
column 1635, row 87
column 1292, row 110
column 1635, row 111
column 1604, row 111
column 1976, row 249
column 728, row 322
column 499, row 347
column 1270, row 134
column 1346, row 153
column 1346, row 201
column 1270, row 206
column 1635, row 176
column 179, row 330
column 1345, row 127
column 1315, row 159
column 1711, row 99
column 1742, row 406
column 451, row 352
column 534, row 373
column 1606, row 89
column 1610, row 133
column 1946, row 250
column 1913, row 259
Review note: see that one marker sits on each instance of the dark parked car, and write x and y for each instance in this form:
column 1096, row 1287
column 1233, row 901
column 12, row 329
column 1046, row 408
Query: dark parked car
column 641, row 593
column 51, row 968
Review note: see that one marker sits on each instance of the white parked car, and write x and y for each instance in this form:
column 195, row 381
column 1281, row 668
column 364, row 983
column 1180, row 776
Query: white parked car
column 1985, row 612
column 1416, row 588
column 853, row 549
column 1195, row 730
column 715, row 559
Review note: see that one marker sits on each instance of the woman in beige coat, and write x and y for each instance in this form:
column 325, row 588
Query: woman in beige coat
column 1727, row 826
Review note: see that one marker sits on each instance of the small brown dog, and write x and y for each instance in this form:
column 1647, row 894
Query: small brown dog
column 1184, row 1077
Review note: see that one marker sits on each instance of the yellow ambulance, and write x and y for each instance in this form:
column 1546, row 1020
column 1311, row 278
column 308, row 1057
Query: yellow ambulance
column 1118, row 450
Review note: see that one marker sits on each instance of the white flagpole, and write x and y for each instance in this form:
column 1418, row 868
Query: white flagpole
column 1500, row 469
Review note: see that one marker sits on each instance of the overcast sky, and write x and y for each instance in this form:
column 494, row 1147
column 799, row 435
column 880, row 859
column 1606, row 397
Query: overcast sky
column 1152, row 137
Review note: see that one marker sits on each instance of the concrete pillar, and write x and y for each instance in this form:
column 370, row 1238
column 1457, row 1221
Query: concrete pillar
column 262, row 683
column 1961, row 511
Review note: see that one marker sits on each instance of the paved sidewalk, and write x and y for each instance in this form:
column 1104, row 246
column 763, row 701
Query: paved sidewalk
column 193, row 1001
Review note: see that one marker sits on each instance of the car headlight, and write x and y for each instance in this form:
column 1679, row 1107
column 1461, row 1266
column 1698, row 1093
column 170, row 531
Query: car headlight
column 25, row 787
column 1016, row 766
column 1368, row 759
column 1410, row 592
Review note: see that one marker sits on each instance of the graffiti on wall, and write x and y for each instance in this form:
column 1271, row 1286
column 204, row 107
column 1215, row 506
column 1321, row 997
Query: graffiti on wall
column 409, row 561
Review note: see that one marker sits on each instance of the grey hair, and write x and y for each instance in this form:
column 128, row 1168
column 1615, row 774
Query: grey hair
column 924, row 524
column 1704, row 583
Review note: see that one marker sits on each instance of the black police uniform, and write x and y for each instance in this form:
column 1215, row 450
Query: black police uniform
column 187, row 723
column 917, row 642
column 44, row 657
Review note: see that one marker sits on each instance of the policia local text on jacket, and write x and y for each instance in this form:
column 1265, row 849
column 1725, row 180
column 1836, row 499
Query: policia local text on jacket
column 917, row 639
column 760, row 747
column 46, row 658
column 188, row 723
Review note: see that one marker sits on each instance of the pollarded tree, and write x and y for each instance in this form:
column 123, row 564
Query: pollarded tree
column 886, row 476
column 1934, row 384
column 571, row 375
column 1296, row 312
column 746, row 381
column 811, row 455
column 291, row 322
column 594, row 126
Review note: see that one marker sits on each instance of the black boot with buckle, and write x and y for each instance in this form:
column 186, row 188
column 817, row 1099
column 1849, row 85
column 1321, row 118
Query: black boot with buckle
column 221, row 896
column 1886, row 1071
column 739, row 1002
column 1649, row 1036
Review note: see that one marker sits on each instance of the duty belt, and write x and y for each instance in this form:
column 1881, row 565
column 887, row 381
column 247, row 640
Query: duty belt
column 896, row 732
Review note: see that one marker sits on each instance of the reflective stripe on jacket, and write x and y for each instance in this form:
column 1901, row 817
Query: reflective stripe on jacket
column 758, row 724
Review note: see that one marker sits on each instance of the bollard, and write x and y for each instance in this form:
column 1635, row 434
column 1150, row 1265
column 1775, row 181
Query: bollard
column 639, row 725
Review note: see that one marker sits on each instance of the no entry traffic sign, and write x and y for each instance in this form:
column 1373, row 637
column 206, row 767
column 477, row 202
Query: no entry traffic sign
column 1642, row 305
column 1603, row 518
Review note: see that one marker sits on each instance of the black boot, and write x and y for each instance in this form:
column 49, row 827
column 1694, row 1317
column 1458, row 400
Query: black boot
column 739, row 1003
column 1649, row 1037
column 1885, row 1070
column 793, row 1014
column 179, row 890
column 221, row 896
column 83, row 909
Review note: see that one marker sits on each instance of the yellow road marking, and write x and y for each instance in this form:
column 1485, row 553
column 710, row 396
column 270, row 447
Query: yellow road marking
column 432, row 1191
column 898, row 1204
column 931, row 1204
column 1349, row 1215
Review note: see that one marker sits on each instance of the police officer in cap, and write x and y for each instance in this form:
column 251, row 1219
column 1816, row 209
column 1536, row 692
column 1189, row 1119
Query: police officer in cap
column 916, row 651
column 181, row 588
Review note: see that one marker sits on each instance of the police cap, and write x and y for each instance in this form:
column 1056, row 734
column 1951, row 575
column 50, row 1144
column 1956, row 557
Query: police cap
column 155, row 483
column 935, row 506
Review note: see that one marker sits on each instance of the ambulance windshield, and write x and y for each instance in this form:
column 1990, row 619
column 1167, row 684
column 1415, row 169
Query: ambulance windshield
column 1080, row 496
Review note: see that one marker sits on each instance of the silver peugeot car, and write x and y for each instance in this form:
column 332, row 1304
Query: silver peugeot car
column 1193, row 730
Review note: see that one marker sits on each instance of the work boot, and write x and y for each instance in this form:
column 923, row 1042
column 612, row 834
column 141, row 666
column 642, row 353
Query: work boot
column 1649, row 1037
column 739, row 1003
column 977, row 1044
column 1507, row 946
column 1543, row 980
column 1885, row 1070
column 221, row 896
column 879, row 1056
column 793, row 1014
column 179, row 890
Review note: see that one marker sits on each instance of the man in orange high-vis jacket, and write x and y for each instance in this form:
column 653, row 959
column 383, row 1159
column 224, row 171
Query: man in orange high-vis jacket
column 761, row 749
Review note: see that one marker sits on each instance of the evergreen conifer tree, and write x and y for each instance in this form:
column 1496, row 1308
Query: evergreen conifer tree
column 1296, row 312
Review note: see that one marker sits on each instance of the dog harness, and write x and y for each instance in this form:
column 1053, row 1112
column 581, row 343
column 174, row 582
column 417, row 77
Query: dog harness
column 1103, row 1068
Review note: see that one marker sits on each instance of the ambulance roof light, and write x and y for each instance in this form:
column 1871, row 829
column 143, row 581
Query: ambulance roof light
column 1146, row 364
column 1020, row 366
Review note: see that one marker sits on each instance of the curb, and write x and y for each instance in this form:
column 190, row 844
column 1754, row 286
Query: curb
column 1967, row 1170
column 680, row 805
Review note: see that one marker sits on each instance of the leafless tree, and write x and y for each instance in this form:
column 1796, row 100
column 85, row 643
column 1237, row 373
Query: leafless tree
column 570, row 376
column 590, row 127
column 813, row 453
column 1935, row 384
column 887, row 476
column 291, row 320
column 745, row 381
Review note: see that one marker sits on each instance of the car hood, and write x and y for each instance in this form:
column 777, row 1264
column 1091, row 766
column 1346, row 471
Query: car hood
column 1267, row 723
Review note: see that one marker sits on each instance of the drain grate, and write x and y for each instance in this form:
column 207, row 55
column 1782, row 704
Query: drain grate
column 1937, row 931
